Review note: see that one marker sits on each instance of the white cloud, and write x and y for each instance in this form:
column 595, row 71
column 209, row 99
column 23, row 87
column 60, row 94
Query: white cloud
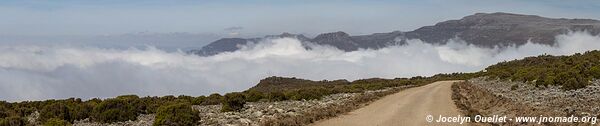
column 41, row 72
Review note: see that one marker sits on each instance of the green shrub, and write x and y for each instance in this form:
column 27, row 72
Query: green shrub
column 233, row 102
column 23, row 111
column 3, row 112
column 185, row 98
column 55, row 110
column 213, row 99
column 180, row 114
column 114, row 110
column 198, row 100
column 253, row 95
column 128, row 97
column 306, row 94
column 56, row 122
column 276, row 96
column 540, row 82
column 570, row 72
column 13, row 121
column 575, row 83
column 69, row 110
column 148, row 105
column 550, row 80
column 168, row 98
column 80, row 111
column 595, row 72
column 140, row 105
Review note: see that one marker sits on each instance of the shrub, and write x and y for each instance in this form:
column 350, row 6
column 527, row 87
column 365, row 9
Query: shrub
column 80, row 111
column 253, row 95
column 114, row 110
column 23, row 111
column 3, row 112
column 550, row 80
column 233, row 102
column 570, row 72
column 56, row 122
column 306, row 94
column 55, row 110
column 575, row 83
column 168, row 98
column 180, row 114
column 140, row 105
column 540, row 82
column 595, row 72
column 198, row 100
column 185, row 97
column 13, row 121
column 213, row 99
column 276, row 96
column 128, row 97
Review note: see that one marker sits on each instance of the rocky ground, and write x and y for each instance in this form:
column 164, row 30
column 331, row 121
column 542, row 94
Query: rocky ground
column 272, row 113
column 584, row 101
column 142, row 120
column 496, row 97
column 295, row 112
column 257, row 112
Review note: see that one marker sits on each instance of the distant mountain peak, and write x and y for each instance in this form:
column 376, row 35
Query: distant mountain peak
column 286, row 34
column 338, row 34
column 273, row 84
column 339, row 39
column 501, row 29
column 490, row 30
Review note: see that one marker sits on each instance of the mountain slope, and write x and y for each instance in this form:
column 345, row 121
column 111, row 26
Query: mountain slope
column 481, row 29
column 571, row 72
column 501, row 29
column 233, row 44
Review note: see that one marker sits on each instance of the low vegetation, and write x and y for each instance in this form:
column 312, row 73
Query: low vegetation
column 13, row 121
column 178, row 114
column 56, row 122
column 570, row 72
column 233, row 102
column 171, row 110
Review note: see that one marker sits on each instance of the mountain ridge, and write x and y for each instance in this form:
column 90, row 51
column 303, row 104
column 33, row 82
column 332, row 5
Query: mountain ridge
column 481, row 29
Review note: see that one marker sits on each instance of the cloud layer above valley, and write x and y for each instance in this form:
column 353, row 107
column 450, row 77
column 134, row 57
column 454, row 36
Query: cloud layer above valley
column 30, row 72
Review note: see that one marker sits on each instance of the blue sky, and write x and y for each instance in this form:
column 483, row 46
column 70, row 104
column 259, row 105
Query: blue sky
column 259, row 17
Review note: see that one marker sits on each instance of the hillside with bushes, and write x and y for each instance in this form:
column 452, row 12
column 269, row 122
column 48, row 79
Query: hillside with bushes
column 570, row 72
column 177, row 110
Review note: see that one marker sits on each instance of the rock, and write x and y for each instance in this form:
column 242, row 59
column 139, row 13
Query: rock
column 245, row 121
column 584, row 100
column 257, row 114
column 279, row 110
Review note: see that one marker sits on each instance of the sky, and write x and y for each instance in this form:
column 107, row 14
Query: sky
column 251, row 18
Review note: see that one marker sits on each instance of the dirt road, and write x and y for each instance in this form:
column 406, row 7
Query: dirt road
column 406, row 108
